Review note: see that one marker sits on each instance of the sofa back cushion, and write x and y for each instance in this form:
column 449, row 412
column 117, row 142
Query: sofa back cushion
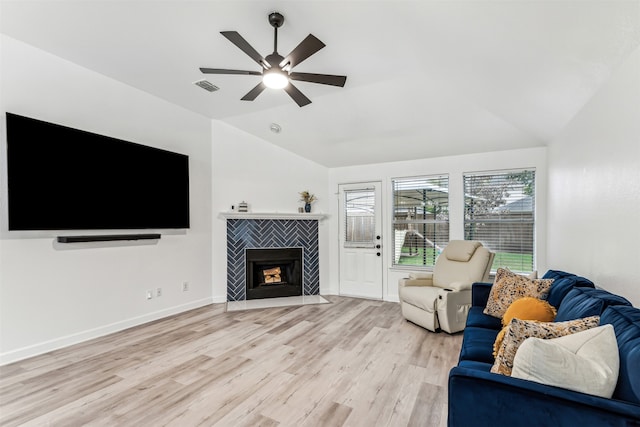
column 556, row 274
column 626, row 324
column 585, row 302
column 562, row 284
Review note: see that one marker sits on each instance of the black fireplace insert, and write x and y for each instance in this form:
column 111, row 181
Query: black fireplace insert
column 273, row 272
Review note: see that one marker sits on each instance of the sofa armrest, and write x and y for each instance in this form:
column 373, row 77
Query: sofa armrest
column 480, row 294
column 480, row 398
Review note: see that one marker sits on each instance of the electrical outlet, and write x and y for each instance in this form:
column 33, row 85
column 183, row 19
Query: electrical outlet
column 158, row 292
column 185, row 286
column 149, row 294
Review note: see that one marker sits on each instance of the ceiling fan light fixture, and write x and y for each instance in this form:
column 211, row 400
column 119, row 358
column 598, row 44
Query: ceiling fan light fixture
column 276, row 70
column 275, row 79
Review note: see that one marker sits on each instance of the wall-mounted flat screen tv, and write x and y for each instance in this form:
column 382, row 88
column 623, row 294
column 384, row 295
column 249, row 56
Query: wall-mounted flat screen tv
column 61, row 178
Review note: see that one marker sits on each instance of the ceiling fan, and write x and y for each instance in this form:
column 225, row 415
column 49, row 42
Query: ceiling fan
column 276, row 70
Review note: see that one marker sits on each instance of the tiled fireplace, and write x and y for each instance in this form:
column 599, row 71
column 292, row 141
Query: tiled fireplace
column 254, row 232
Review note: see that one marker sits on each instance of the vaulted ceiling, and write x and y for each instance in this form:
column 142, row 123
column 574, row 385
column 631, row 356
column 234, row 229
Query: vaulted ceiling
column 425, row 78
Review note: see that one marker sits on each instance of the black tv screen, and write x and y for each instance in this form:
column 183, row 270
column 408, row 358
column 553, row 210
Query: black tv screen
column 61, row 178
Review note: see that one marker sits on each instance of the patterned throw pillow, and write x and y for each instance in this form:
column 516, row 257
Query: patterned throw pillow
column 508, row 287
column 519, row 330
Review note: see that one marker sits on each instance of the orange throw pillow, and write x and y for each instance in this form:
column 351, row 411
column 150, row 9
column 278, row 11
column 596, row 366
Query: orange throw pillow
column 529, row 308
column 526, row 308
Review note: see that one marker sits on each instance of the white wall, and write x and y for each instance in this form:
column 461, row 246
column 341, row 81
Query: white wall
column 455, row 166
column 51, row 294
column 594, row 187
column 269, row 178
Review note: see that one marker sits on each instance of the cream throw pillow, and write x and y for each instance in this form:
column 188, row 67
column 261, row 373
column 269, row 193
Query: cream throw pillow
column 586, row 361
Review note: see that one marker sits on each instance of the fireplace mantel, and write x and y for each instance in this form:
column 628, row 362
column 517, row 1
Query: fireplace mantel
column 273, row 215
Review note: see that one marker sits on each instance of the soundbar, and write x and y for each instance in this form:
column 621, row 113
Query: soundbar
column 107, row 238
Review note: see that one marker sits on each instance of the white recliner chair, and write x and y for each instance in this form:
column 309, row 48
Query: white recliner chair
column 441, row 299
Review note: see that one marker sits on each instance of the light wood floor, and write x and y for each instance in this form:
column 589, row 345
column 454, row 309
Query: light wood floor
column 350, row 363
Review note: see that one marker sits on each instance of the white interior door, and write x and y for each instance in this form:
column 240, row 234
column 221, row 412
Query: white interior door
column 360, row 240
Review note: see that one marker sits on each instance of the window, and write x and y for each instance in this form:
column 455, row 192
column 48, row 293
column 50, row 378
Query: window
column 499, row 211
column 420, row 219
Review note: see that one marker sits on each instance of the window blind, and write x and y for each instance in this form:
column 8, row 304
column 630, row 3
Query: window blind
column 420, row 219
column 499, row 211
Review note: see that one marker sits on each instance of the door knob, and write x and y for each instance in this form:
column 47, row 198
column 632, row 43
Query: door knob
column 377, row 246
column 378, row 253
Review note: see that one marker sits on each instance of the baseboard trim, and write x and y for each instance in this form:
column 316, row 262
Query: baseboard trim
column 219, row 299
column 69, row 340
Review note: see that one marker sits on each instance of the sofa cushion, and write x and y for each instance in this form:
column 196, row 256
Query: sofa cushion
column 472, row 364
column 556, row 274
column 563, row 285
column 586, row 361
column 509, row 286
column 477, row 318
column 477, row 344
column 585, row 302
column 519, row 330
column 626, row 323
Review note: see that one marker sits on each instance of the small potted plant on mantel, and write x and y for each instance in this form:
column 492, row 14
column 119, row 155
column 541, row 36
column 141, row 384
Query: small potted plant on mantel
column 307, row 198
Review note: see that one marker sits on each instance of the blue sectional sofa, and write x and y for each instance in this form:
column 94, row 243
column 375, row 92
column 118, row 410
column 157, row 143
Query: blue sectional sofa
column 478, row 397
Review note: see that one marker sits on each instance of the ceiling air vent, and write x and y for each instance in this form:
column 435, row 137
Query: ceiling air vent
column 206, row 85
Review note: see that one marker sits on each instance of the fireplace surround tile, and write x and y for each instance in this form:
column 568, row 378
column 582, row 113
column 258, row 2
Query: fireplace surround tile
column 271, row 233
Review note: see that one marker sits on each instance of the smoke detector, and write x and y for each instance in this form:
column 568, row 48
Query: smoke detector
column 206, row 85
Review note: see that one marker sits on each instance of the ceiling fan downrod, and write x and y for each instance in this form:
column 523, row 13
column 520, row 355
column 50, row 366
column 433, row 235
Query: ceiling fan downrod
column 276, row 20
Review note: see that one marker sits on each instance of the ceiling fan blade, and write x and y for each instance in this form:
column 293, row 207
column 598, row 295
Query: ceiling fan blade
column 305, row 49
column 235, row 38
column 253, row 93
column 297, row 96
column 323, row 79
column 223, row 71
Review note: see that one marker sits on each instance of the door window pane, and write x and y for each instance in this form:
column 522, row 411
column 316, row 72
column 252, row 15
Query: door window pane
column 360, row 218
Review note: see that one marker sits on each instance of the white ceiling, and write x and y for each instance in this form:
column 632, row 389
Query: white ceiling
column 425, row 78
